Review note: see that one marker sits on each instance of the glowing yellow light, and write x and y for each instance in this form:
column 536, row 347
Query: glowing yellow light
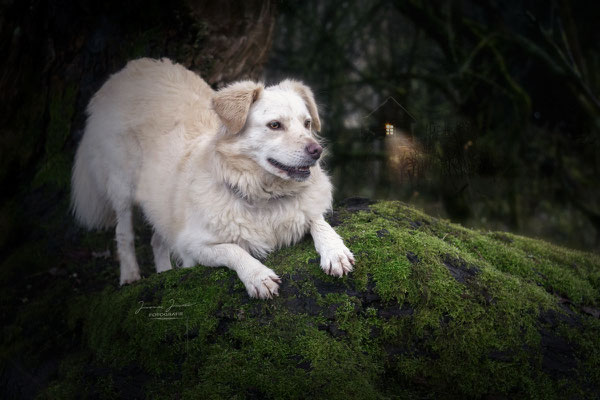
column 389, row 129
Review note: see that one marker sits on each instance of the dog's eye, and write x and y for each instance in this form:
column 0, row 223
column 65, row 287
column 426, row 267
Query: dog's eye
column 274, row 125
column 307, row 124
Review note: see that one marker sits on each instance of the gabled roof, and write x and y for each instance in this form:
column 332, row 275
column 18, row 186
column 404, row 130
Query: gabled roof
column 394, row 102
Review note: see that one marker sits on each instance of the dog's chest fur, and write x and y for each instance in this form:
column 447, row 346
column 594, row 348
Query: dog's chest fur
column 262, row 226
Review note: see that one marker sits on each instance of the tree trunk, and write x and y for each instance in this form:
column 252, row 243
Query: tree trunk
column 57, row 54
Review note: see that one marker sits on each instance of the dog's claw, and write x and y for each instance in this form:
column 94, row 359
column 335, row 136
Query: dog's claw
column 337, row 262
column 262, row 284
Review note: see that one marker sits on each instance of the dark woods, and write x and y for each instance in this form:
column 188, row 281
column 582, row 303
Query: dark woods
column 491, row 107
column 502, row 98
column 56, row 54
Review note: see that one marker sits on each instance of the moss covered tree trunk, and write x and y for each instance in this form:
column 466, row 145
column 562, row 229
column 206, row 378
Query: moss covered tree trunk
column 432, row 310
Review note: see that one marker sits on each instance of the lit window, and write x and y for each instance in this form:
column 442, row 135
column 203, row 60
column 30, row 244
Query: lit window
column 389, row 129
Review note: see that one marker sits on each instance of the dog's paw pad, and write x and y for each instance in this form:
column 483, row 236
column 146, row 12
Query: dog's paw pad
column 337, row 262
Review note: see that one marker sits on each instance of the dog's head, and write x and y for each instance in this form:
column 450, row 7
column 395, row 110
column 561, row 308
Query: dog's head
column 274, row 126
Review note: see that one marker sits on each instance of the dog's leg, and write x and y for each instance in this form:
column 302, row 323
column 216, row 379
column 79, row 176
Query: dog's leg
column 260, row 281
column 130, row 272
column 160, row 249
column 336, row 259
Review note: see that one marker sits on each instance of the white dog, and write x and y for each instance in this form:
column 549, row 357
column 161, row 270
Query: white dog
column 219, row 175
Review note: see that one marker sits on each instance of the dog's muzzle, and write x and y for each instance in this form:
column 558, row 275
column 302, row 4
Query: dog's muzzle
column 299, row 173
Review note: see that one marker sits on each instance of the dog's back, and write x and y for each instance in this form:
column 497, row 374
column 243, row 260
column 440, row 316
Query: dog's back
column 136, row 108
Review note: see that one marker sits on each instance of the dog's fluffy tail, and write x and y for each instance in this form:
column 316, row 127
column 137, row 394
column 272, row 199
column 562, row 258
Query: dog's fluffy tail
column 89, row 203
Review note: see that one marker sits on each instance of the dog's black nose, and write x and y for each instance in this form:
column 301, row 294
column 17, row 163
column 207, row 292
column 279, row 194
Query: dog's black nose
column 314, row 150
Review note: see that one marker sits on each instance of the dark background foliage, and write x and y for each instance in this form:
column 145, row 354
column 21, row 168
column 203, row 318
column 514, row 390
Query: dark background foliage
column 503, row 96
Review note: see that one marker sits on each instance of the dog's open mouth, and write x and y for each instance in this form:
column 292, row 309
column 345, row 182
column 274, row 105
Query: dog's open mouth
column 299, row 173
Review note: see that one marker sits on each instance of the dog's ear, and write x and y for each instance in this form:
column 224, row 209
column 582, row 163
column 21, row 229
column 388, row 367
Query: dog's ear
column 307, row 95
column 233, row 102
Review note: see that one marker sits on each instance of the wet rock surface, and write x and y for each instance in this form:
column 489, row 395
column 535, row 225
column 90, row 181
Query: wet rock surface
column 459, row 269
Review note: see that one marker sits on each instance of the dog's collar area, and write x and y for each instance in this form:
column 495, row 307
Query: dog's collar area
column 240, row 194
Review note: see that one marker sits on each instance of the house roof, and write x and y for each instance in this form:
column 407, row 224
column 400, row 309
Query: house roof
column 396, row 103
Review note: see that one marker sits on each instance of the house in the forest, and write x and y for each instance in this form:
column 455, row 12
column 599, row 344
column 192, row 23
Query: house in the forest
column 387, row 119
column 391, row 126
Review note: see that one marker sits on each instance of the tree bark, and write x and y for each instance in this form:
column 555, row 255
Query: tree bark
column 57, row 54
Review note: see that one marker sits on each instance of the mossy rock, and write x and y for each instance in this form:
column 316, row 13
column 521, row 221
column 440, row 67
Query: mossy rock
column 432, row 310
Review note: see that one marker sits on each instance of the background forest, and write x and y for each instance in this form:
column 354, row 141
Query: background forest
column 494, row 104
column 501, row 98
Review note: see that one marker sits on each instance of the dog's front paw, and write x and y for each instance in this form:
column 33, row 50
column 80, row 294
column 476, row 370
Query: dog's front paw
column 262, row 283
column 128, row 277
column 337, row 261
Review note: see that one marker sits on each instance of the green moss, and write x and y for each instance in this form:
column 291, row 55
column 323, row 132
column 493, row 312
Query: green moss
column 22, row 261
column 432, row 310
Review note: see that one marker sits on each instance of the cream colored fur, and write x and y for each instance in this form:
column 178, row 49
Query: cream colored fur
column 219, row 185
